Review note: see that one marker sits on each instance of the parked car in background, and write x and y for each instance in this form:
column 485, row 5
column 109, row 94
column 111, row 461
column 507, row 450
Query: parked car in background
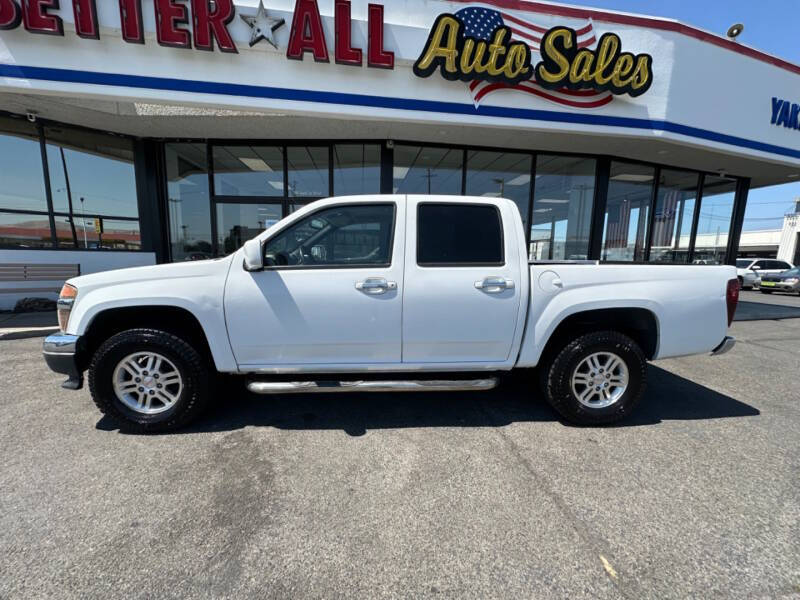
column 787, row 281
column 748, row 270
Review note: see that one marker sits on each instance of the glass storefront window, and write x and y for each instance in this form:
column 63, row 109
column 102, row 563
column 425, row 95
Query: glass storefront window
column 25, row 231
column 427, row 170
column 500, row 174
column 188, row 206
column 356, row 169
column 714, row 223
column 237, row 223
column 308, row 171
column 563, row 197
column 21, row 175
column 630, row 191
column 248, row 170
column 672, row 217
column 91, row 173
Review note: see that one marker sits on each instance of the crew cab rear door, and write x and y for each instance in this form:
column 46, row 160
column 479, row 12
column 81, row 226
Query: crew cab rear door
column 464, row 281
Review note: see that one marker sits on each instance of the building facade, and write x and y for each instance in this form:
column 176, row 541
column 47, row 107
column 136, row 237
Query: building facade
column 145, row 131
column 789, row 245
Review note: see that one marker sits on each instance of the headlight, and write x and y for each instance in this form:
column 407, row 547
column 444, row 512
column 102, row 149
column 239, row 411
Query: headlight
column 64, row 304
column 791, row 280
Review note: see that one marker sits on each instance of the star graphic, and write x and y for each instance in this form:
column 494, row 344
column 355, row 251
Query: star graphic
column 262, row 26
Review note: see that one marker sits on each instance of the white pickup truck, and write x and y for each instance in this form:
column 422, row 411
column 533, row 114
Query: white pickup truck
column 384, row 293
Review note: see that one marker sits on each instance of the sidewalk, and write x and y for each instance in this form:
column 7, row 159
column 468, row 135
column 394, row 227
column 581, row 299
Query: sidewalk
column 15, row 326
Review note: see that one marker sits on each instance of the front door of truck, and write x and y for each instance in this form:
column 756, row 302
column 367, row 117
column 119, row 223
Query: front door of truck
column 463, row 282
column 330, row 293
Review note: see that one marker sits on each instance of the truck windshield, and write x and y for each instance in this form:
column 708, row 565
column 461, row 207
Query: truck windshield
column 742, row 263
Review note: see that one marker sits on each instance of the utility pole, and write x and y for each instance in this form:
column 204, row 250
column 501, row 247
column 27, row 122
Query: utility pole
column 429, row 176
column 83, row 218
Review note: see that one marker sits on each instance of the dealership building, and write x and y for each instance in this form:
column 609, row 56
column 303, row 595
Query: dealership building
column 146, row 131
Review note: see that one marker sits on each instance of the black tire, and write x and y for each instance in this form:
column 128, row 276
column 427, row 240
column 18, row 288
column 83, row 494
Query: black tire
column 194, row 371
column 563, row 399
column 763, row 291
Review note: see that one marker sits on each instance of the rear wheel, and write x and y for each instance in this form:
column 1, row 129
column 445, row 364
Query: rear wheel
column 597, row 378
column 148, row 380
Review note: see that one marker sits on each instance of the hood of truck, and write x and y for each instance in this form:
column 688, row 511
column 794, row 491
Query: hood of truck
column 167, row 272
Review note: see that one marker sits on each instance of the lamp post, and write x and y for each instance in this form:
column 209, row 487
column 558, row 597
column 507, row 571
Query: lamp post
column 83, row 219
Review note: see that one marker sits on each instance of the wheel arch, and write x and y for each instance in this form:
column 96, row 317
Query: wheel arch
column 172, row 319
column 640, row 324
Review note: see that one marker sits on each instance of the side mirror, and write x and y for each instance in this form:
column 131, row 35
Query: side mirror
column 755, row 268
column 253, row 256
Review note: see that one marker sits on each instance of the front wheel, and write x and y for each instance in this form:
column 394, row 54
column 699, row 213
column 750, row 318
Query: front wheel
column 597, row 378
column 148, row 380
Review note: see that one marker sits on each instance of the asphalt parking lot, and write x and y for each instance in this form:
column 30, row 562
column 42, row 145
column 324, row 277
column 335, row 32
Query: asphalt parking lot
column 458, row 495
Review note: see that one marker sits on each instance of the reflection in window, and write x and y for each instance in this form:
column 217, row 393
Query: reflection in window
column 21, row 176
column 340, row 235
column 356, row 169
column 713, row 226
column 563, row 196
column 500, row 174
column 91, row 173
column 308, row 171
column 237, row 223
column 98, row 233
column 25, row 231
column 248, row 170
column 672, row 218
column 427, row 170
column 187, row 201
column 630, row 191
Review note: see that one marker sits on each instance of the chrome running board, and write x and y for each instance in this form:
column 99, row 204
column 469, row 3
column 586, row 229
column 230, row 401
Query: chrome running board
column 417, row 385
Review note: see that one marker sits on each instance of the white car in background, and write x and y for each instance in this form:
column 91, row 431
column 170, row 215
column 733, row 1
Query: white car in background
column 750, row 270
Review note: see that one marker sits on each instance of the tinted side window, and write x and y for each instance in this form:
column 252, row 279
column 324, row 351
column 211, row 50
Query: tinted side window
column 459, row 234
column 779, row 264
column 337, row 236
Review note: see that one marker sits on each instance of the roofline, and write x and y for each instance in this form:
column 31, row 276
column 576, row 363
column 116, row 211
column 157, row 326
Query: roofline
column 660, row 23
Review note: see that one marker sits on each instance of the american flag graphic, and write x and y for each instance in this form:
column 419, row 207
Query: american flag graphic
column 664, row 219
column 619, row 222
column 480, row 23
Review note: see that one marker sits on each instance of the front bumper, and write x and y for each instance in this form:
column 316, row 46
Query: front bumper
column 725, row 346
column 780, row 286
column 61, row 355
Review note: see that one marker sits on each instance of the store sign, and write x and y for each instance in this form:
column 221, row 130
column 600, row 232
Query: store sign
column 209, row 24
column 785, row 114
column 491, row 50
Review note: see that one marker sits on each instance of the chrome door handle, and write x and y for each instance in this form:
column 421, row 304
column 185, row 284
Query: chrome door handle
column 494, row 285
column 375, row 285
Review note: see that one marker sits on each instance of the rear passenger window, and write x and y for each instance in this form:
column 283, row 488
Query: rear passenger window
column 458, row 235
